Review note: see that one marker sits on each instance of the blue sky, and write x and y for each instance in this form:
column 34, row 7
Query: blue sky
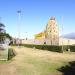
column 35, row 15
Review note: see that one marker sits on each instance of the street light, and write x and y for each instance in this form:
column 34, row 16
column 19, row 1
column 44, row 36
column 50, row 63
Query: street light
column 19, row 23
column 62, row 35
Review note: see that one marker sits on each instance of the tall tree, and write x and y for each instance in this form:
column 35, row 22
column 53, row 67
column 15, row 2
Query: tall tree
column 3, row 33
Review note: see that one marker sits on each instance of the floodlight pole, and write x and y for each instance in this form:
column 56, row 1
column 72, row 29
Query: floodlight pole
column 19, row 24
column 62, row 35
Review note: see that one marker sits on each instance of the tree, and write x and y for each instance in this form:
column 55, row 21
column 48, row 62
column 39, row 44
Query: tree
column 3, row 34
column 2, row 26
column 2, row 31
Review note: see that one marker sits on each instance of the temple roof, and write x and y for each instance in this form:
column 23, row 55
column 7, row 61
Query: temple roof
column 40, row 34
column 52, row 18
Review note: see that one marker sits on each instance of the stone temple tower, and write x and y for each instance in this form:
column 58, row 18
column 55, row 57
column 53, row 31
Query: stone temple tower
column 52, row 32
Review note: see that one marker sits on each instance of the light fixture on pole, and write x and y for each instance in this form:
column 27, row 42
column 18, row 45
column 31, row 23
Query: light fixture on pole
column 26, row 36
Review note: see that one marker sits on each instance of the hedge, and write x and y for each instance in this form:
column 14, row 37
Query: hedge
column 72, row 48
column 50, row 47
column 43, row 47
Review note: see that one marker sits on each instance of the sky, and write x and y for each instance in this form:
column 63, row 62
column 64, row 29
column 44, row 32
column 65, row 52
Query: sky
column 35, row 15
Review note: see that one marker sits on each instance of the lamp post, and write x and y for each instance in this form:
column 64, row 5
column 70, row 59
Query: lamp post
column 26, row 35
column 19, row 24
column 68, row 45
column 62, row 35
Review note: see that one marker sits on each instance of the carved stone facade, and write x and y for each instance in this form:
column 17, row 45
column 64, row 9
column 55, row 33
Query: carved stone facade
column 52, row 32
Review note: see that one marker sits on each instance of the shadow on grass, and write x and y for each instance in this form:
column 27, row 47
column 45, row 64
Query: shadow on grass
column 11, row 53
column 69, row 69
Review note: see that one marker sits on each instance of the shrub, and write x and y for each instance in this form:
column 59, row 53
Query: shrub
column 11, row 53
column 44, row 47
column 72, row 48
column 50, row 47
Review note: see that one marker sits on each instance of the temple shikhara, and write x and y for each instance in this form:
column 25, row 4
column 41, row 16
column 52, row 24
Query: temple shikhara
column 50, row 35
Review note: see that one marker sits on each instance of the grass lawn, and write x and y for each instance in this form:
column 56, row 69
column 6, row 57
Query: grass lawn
column 30, row 61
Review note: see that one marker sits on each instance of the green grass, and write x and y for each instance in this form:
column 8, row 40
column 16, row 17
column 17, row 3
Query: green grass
column 38, row 66
column 3, row 62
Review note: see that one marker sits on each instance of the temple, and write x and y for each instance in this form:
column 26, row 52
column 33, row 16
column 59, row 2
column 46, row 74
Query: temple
column 50, row 35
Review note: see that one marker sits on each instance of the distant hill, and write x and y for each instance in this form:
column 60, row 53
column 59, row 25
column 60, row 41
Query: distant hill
column 69, row 36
